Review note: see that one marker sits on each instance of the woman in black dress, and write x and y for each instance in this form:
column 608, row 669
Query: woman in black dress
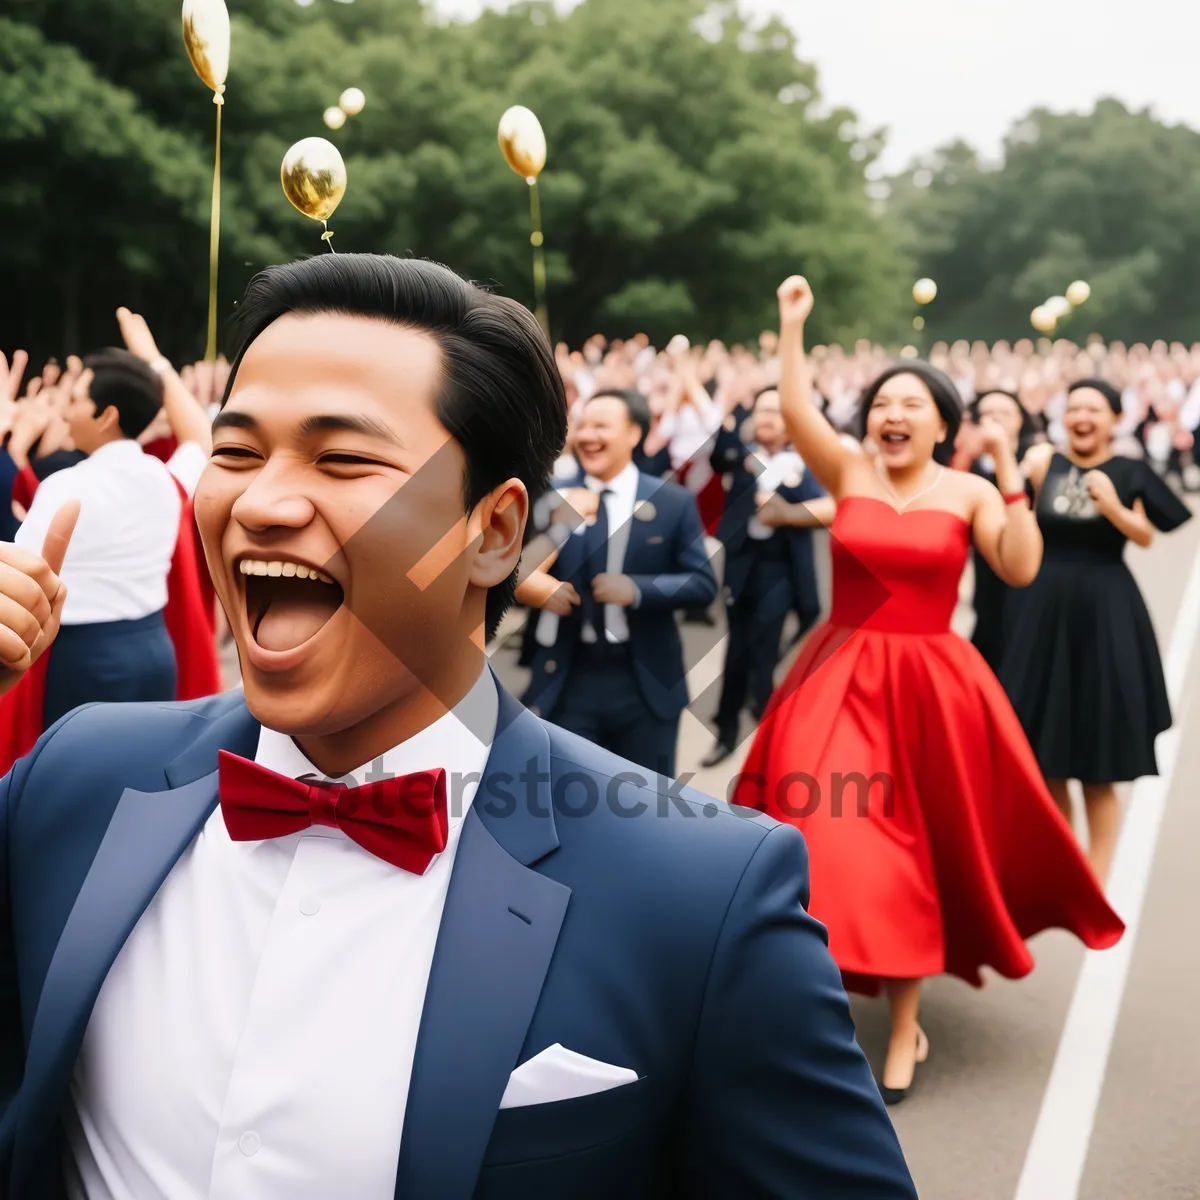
column 1007, row 411
column 1081, row 663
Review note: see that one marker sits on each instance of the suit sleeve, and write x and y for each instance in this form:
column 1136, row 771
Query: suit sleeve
column 783, row 1102
column 809, row 488
column 691, row 582
column 12, row 1042
column 729, row 451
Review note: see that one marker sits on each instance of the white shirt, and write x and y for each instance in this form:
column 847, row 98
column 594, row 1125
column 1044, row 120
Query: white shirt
column 691, row 429
column 254, row 1038
column 618, row 506
column 782, row 469
column 120, row 554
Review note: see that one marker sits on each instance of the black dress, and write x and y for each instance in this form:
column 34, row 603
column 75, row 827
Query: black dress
column 1081, row 663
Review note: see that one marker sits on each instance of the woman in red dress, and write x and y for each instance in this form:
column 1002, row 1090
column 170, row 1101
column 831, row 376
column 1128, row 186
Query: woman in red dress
column 935, row 846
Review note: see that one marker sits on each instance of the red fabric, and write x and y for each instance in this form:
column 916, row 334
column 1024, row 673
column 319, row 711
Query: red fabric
column 710, row 499
column 24, row 486
column 957, row 854
column 198, row 669
column 402, row 820
column 161, row 448
column 21, row 714
column 188, row 617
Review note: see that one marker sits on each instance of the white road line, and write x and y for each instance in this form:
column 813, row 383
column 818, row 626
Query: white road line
column 1058, row 1150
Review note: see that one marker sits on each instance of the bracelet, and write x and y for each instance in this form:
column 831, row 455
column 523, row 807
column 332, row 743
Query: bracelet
column 1013, row 497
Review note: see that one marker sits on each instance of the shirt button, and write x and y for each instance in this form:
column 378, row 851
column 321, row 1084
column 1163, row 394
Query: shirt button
column 249, row 1143
column 310, row 906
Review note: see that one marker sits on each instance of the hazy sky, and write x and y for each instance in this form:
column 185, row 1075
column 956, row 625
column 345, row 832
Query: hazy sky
column 932, row 70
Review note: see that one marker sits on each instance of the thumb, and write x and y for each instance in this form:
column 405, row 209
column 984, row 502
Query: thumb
column 58, row 536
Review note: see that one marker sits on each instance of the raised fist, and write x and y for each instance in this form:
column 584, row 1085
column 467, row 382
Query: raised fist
column 795, row 301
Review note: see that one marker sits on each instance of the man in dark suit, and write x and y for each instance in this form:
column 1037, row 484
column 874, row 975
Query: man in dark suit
column 772, row 503
column 368, row 927
column 612, row 668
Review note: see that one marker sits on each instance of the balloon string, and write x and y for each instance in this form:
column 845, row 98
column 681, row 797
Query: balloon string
column 214, row 237
column 539, row 259
column 327, row 237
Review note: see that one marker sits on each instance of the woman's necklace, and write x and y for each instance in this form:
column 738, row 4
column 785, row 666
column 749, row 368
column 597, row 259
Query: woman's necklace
column 916, row 495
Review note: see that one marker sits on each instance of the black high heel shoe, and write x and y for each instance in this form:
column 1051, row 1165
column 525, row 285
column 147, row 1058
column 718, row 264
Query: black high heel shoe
column 895, row 1095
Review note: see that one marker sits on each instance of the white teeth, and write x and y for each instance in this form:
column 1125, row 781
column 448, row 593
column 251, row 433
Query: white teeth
column 276, row 568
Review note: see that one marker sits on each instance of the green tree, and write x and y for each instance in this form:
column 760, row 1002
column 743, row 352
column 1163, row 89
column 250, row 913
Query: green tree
column 691, row 167
column 1111, row 197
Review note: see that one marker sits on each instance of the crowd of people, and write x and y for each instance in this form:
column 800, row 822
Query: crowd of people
column 1038, row 461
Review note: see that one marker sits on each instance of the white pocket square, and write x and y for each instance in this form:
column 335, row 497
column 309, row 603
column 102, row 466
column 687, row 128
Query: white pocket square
column 561, row 1074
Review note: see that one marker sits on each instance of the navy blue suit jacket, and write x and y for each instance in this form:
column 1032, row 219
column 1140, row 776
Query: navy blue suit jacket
column 664, row 933
column 667, row 559
column 729, row 459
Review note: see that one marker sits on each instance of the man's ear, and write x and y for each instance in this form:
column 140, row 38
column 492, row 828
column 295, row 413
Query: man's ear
column 108, row 421
column 499, row 521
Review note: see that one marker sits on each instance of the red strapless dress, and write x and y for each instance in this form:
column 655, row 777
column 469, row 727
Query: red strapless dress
column 934, row 845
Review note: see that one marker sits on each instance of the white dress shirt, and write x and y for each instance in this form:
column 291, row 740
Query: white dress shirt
column 618, row 506
column 254, row 1038
column 691, row 429
column 120, row 555
column 782, row 469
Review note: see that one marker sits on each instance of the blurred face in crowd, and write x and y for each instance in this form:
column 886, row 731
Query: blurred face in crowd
column 904, row 422
column 89, row 429
column 1089, row 421
column 606, row 437
column 769, row 429
column 333, row 520
column 1004, row 411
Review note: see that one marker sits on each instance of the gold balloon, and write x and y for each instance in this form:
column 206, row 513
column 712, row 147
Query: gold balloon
column 918, row 323
column 314, row 177
column 352, row 101
column 924, row 290
column 335, row 117
column 206, row 37
column 1058, row 307
column 522, row 142
column 1043, row 320
column 1079, row 292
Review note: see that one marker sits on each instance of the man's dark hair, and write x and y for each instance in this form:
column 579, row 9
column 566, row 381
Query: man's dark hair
column 635, row 403
column 122, row 381
column 501, row 396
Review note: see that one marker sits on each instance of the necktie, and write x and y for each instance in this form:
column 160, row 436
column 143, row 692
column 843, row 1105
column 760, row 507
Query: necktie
column 595, row 562
column 401, row 820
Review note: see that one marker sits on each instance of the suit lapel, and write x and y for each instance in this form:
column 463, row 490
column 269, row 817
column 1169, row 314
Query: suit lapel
column 145, row 837
column 641, row 529
column 498, row 934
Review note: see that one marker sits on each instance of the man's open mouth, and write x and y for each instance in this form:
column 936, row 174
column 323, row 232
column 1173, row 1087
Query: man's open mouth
column 895, row 439
column 287, row 602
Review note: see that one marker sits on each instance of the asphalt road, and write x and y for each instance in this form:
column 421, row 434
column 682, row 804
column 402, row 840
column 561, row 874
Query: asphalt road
column 991, row 1116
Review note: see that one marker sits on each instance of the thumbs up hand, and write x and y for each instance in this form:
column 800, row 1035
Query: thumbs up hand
column 32, row 597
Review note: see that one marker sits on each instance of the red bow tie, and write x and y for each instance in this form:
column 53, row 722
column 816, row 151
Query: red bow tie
column 401, row 820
